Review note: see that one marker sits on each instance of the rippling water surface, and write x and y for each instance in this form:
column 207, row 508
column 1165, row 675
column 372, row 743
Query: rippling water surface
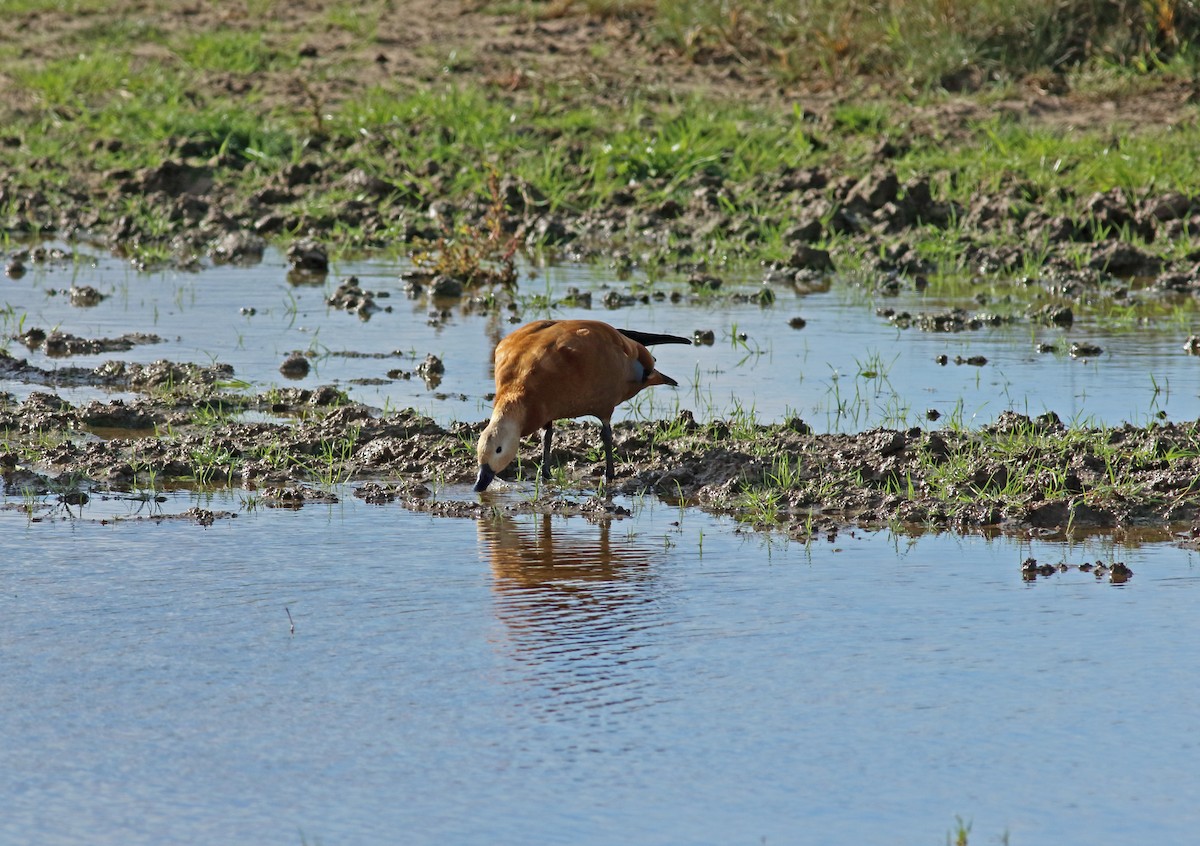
column 846, row 370
column 362, row 674
column 662, row 679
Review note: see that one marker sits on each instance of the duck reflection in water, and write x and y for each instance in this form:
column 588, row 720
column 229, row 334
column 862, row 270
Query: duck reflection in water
column 579, row 608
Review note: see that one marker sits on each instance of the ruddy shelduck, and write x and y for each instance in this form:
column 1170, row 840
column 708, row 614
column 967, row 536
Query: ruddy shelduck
column 553, row 369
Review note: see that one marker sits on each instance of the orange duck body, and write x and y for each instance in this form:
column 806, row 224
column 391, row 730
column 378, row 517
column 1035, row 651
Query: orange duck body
column 553, row 369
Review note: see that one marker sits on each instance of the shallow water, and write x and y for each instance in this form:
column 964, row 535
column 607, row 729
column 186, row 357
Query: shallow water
column 847, row 370
column 661, row 680
column 665, row 679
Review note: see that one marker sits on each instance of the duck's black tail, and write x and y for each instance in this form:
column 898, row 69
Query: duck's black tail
column 650, row 338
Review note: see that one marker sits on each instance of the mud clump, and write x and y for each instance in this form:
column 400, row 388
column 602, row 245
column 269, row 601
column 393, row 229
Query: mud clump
column 1084, row 349
column 350, row 296
column 1118, row 573
column 949, row 320
column 117, row 415
column 431, row 370
column 85, row 296
column 308, row 257
column 295, row 497
column 63, row 344
column 239, row 247
column 295, row 366
column 165, row 375
column 446, row 287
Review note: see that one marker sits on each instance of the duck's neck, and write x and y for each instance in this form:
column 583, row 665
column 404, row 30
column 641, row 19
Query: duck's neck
column 510, row 407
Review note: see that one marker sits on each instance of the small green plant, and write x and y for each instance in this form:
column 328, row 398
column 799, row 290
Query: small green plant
column 211, row 464
column 958, row 836
column 476, row 255
column 760, row 506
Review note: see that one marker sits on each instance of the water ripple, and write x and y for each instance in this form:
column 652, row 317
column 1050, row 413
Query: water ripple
column 578, row 607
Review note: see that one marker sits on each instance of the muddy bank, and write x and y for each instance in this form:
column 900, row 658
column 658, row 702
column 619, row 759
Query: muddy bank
column 1019, row 475
column 1109, row 246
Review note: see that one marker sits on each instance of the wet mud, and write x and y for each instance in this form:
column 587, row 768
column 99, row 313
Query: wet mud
column 781, row 477
column 1079, row 256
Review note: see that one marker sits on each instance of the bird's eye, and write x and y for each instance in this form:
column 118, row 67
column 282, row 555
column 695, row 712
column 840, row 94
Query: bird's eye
column 499, row 450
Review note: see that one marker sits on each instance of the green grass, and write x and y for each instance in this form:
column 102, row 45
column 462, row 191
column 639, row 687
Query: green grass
column 1051, row 163
column 359, row 19
column 446, row 142
column 231, row 51
column 576, row 153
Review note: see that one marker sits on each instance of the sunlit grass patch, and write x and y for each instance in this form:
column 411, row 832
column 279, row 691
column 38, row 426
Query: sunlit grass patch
column 86, row 81
column 231, row 51
column 1054, row 163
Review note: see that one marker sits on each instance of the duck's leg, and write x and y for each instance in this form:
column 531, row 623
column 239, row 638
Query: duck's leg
column 606, row 437
column 546, row 436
